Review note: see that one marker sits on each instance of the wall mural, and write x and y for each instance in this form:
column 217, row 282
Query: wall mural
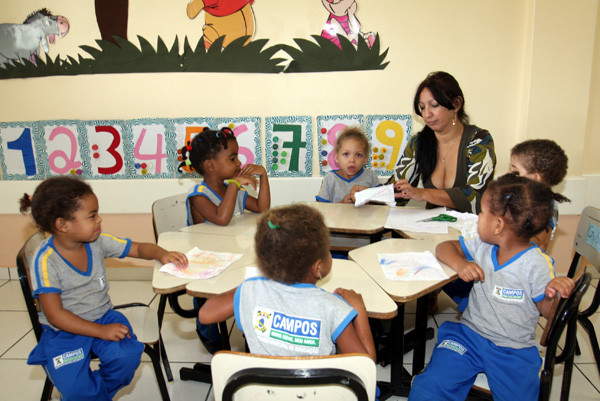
column 228, row 36
column 148, row 148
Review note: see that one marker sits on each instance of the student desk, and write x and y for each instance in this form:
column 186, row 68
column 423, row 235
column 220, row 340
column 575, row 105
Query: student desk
column 241, row 225
column 402, row 292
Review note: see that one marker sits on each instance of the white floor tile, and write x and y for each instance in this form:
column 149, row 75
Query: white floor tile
column 13, row 326
column 11, row 297
column 581, row 388
column 22, row 348
column 590, row 371
column 20, row 381
column 181, row 340
column 587, row 355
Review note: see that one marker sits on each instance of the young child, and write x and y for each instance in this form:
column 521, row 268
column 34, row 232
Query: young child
column 513, row 282
column 68, row 277
column 351, row 154
column 545, row 161
column 214, row 154
column 220, row 196
column 292, row 249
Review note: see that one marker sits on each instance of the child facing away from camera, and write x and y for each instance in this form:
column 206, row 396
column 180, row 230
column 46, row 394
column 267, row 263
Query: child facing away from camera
column 351, row 154
column 214, row 154
column 513, row 283
column 292, row 249
column 545, row 161
column 68, row 278
column 220, row 196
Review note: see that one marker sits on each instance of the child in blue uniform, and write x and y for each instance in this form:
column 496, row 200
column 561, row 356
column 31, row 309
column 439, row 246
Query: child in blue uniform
column 292, row 249
column 220, row 196
column 214, row 154
column 545, row 161
column 513, row 282
column 351, row 154
column 68, row 277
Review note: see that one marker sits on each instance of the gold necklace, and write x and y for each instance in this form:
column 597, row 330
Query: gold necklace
column 448, row 151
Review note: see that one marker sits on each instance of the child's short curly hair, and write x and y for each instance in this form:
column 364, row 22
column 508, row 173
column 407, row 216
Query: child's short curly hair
column 353, row 133
column 544, row 157
column 289, row 240
column 528, row 204
column 56, row 197
column 204, row 146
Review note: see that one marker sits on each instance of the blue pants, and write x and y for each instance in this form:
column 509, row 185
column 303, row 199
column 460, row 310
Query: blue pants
column 460, row 354
column 66, row 359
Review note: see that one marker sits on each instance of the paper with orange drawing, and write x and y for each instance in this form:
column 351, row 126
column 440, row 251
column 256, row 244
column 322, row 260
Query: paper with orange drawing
column 202, row 264
column 411, row 266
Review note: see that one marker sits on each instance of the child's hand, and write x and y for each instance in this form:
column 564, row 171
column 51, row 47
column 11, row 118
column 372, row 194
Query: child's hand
column 177, row 258
column 114, row 332
column 470, row 272
column 349, row 198
column 253, row 169
column 352, row 297
column 357, row 188
column 562, row 285
column 246, row 180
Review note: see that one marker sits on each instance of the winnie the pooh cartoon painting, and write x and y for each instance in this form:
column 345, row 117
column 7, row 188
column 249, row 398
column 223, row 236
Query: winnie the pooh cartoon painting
column 230, row 18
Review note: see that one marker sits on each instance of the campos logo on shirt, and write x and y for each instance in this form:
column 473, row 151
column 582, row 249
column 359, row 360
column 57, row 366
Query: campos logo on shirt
column 68, row 358
column 509, row 294
column 284, row 328
column 102, row 281
column 453, row 346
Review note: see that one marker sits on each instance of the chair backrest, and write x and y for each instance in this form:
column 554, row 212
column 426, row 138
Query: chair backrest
column 169, row 214
column 24, row 260
column 587, row 237
column 257, row 377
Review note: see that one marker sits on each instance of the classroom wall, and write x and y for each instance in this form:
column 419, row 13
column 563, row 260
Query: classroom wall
column 529, row 69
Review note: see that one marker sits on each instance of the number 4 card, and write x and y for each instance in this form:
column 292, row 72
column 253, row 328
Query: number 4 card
column 149, row 142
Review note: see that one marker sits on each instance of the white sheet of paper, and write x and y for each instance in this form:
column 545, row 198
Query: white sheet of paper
column 466, row 223
column 202, row 264
column 407, row 219
column 411, row 266
column 382, row 194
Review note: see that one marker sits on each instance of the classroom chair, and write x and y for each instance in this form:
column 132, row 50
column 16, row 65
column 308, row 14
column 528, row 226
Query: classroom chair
column 563, row 315
column 243, row 376
column 143, row 320
column 587, row 244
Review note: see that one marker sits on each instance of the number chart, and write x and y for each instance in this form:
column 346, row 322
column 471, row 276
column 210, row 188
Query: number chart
column 185, row 129
column 247, row 132
column 20, row 151
column 389, row 135
column 328, row 129
column 149, row 142
column 289, row 146
column 63, row 148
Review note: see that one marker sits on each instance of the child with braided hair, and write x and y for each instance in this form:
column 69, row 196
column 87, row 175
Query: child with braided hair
column 214, row 154
column 513, row 283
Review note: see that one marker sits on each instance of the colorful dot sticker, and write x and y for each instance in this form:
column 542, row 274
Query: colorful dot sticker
column 275, row 153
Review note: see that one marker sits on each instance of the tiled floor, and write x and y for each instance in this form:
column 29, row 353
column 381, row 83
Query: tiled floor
column 18, row 381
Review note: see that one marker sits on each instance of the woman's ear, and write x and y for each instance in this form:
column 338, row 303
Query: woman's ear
column 457, row 103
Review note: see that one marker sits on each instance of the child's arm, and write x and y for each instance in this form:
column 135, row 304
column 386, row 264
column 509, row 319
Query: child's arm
column 357, row 336
column 264, row 192
column 218, row 308
column 561, row 285
column 146, row 250
column 220, row 214
column 67, row 321
column 451, row 253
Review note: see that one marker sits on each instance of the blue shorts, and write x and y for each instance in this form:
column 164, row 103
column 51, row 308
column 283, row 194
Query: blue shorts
column 66, row 359
column 460, row 354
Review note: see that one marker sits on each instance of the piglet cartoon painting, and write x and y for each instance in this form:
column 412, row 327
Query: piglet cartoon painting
column 342, row 21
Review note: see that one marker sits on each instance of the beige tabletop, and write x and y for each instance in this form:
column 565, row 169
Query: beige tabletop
column 345, row 218
column 241, row 225
column 164, row 283
column 453, row 234
column 399, row 291
column 344, row 274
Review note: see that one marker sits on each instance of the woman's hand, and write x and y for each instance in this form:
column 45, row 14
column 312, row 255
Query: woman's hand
column 406, row 191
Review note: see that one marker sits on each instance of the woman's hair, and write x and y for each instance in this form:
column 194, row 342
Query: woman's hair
column 289, row 240
column 528, row 204
column 56, row 197
column 445, row 90
column 544, row 157
column 353, row 133
column 205, row 145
